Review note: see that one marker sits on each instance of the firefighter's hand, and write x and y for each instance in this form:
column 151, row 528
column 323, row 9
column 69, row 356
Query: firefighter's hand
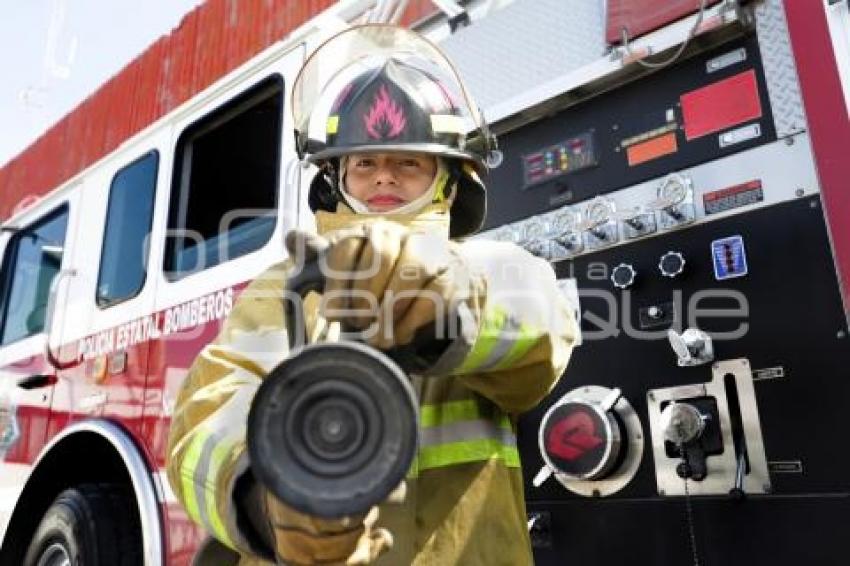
column 390, row 281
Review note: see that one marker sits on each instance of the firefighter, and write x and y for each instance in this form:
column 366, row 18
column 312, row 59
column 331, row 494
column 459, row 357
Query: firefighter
column 398, row 188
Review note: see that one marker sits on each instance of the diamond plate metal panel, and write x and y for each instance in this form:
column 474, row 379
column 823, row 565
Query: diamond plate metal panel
column 526, row 44
column 779, row 69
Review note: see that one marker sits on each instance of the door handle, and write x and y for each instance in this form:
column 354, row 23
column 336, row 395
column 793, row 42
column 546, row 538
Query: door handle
column 36, row 381
column 48, row 320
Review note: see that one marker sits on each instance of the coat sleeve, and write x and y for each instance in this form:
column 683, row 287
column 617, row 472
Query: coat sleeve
column 514, row 341
column 206, row 446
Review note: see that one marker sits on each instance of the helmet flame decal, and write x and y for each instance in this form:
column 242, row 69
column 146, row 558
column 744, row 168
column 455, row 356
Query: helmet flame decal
column 385, row 118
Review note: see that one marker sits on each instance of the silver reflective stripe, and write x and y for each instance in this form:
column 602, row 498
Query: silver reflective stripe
column 508, row 335
column 462, row 431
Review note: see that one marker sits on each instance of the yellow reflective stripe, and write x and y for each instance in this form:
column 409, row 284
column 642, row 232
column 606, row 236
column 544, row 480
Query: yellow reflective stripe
column 413, row 472
column 502, row 342
column 195, row 479
column 333, row 124
column 454, row 411
column 219, row 454
column 445, row 413
column 466, row 452
column 187, row 469
column 525, row 340
column 488, row 337
column 442, row 193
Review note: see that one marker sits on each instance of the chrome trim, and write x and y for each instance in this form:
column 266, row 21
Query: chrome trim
column 143, row 485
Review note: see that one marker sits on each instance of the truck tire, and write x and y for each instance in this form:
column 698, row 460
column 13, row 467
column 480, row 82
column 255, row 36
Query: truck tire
column 91, row 525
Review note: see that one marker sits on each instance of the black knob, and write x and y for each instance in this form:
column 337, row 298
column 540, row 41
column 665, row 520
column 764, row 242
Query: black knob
column 671, row 264
column 623, row 276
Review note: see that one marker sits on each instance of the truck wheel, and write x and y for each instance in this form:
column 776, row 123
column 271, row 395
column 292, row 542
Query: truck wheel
column 95, row 525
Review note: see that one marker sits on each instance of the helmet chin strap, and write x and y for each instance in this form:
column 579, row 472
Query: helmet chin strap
column 441, row 177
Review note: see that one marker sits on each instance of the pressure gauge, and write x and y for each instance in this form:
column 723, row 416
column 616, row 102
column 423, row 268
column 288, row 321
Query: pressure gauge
column 566, row 230
column 535, row 229
column 535, row 238
column 599, row 211
column 674, row 202
column 508, row 233
column 673, row 190
column 564, row 221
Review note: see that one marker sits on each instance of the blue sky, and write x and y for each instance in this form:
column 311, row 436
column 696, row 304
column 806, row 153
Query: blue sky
column 54, row 53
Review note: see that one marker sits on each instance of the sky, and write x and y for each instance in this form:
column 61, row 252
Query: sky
column 55, row 53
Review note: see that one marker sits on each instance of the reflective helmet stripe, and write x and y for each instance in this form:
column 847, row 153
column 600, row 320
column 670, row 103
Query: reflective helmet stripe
column 447, row 124
column 333, row 124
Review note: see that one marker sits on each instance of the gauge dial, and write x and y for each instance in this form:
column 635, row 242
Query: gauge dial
column 599, row 211
column 565, row 221
column 535, row 230
column 673, row 190
column 508, row 234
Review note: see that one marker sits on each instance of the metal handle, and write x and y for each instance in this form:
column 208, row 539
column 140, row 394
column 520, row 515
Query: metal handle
column 48, row 320
column 309, row 278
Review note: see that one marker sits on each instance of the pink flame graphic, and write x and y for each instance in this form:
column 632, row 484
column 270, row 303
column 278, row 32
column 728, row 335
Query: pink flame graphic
column 385, row 118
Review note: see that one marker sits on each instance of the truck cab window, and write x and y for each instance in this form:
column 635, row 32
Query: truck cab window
column 224, row 192
column 32, row 260
column 123, row 262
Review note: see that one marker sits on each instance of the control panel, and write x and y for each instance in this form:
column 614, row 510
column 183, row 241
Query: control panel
column 691, row 238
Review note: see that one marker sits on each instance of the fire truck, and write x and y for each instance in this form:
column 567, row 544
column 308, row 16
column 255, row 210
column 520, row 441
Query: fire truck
column 681, row 163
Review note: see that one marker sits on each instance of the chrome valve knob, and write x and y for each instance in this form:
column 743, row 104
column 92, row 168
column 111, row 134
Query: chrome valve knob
column 693, row 347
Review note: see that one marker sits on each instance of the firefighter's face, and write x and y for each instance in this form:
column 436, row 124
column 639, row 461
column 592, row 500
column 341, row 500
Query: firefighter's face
column 386, row 181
